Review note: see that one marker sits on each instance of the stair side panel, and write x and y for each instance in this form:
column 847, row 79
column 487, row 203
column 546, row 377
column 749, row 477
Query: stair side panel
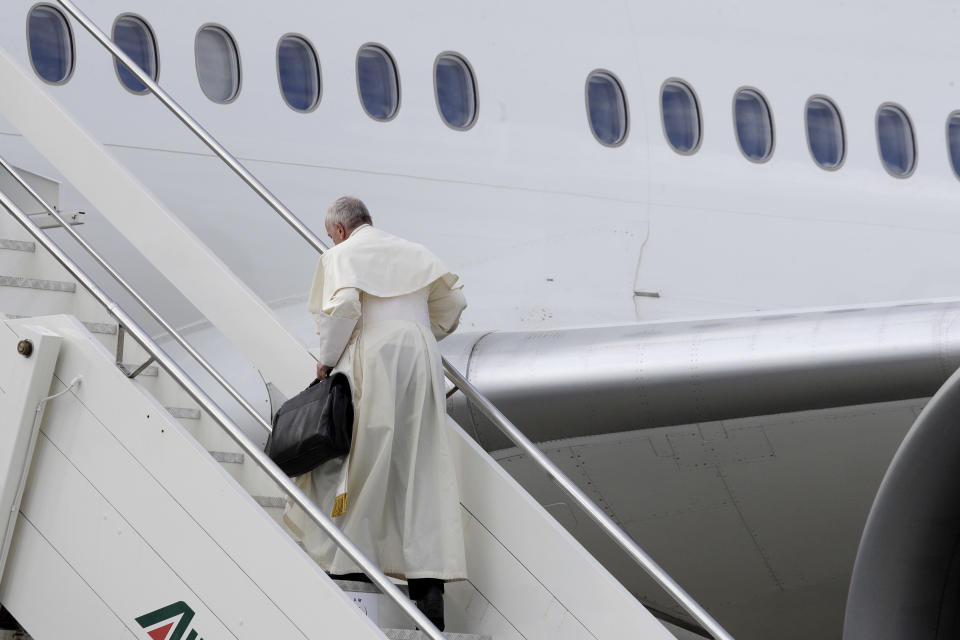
column 569, row 587
column 50, row 598
column 183, row 506
column 24, row 383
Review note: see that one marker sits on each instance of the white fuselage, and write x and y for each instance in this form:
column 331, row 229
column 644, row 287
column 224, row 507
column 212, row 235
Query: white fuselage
column 547, row 226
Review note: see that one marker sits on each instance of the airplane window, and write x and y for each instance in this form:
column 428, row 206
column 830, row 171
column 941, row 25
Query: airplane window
column 681, row 116
column 606, row 108
column 455, row 90
column 50, row 44
column 825, row 133
column 953, row 141
column 136, row 40
column 754, row 125
column 895, row 138
column 218, row 64
column 299, row 73
column 377, row 82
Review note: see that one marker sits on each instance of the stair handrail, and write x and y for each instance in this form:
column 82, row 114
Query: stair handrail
column 620, row 537
column 249, row 447
column 99, row 259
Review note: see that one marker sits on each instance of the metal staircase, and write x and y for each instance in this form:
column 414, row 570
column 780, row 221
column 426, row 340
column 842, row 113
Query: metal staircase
column 528, row 577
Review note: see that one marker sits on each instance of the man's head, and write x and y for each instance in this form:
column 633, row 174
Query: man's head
column 345, row 215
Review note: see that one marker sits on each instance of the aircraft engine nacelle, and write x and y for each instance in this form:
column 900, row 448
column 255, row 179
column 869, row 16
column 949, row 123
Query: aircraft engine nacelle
column 906, row 580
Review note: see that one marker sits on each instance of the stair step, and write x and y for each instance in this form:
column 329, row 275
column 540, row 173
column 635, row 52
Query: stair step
column 374, row 611
column 228, row 457
column 184, row 413
column 271, row 502
column 151, row 372
column 18, row 245
column 105, row 328
column 92, row 327
column 34, row 283
column 410, row 634
column 354, row 586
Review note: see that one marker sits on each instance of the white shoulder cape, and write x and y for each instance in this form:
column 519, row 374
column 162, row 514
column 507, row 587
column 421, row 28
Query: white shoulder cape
column 378, row 263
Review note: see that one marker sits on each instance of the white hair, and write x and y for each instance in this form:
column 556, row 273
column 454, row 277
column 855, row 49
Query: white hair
column 350, row 212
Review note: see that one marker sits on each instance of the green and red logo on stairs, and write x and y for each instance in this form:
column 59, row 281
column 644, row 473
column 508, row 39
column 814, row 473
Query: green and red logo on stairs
column 167, row 631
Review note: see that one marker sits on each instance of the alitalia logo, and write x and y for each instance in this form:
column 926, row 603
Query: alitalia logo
column 169, row 615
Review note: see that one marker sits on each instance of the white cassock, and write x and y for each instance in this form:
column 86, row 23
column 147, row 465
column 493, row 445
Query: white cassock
column 381, row 303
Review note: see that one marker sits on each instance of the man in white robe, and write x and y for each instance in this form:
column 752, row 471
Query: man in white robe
column 381, row 303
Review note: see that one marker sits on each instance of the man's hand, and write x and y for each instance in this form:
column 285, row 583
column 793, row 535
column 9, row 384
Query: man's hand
column 323, row 371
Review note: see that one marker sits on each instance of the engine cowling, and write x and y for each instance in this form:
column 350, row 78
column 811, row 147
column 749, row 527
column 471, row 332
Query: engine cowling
column 906, row 579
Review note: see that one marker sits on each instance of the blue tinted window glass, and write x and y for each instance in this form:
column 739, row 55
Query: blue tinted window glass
column 51, row 44
column 953, row 142
column 456, row 95
column 895, row 137
column 681, row 117
column 136, row 40
column 299, row 73
column 824, row 133
column 754, row 127
column 607, row 108
column 377, row 80
column 218, row 64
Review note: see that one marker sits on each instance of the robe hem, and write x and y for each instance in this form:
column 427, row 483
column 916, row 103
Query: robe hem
column 399, row 575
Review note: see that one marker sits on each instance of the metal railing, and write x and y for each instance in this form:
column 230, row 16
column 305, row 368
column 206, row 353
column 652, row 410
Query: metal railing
column 456, row 378
column 209, row 368
column 199, row 395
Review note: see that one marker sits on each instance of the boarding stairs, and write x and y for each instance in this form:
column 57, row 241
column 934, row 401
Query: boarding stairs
column 136, row 508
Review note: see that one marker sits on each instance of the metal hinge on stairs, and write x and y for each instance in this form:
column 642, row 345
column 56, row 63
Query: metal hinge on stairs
column 46, row 221
column 132, row 371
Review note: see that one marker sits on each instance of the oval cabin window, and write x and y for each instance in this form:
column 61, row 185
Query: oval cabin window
column 825, row 133
column 377, row 82
column 218, row 64
column 136, row 40
column 50, row 44
column 898, row 150
column 606, row 108
column 299, row 73
column 754, row 125
column 953, row 141
column 455, row 90
column 681, row 116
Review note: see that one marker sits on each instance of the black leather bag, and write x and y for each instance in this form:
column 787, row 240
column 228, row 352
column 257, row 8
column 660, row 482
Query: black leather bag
column 312, row 427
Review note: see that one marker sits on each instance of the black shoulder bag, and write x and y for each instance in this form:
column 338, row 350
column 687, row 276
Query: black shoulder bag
column 312, row 427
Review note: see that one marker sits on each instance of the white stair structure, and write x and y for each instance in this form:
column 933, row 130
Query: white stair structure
column 137, row 515
column 125, row 513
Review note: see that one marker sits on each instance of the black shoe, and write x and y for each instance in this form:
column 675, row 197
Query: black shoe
column 432, row 606
column 350, row 577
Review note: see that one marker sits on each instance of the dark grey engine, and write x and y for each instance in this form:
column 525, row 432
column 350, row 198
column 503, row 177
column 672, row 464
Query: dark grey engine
column 906, row 580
